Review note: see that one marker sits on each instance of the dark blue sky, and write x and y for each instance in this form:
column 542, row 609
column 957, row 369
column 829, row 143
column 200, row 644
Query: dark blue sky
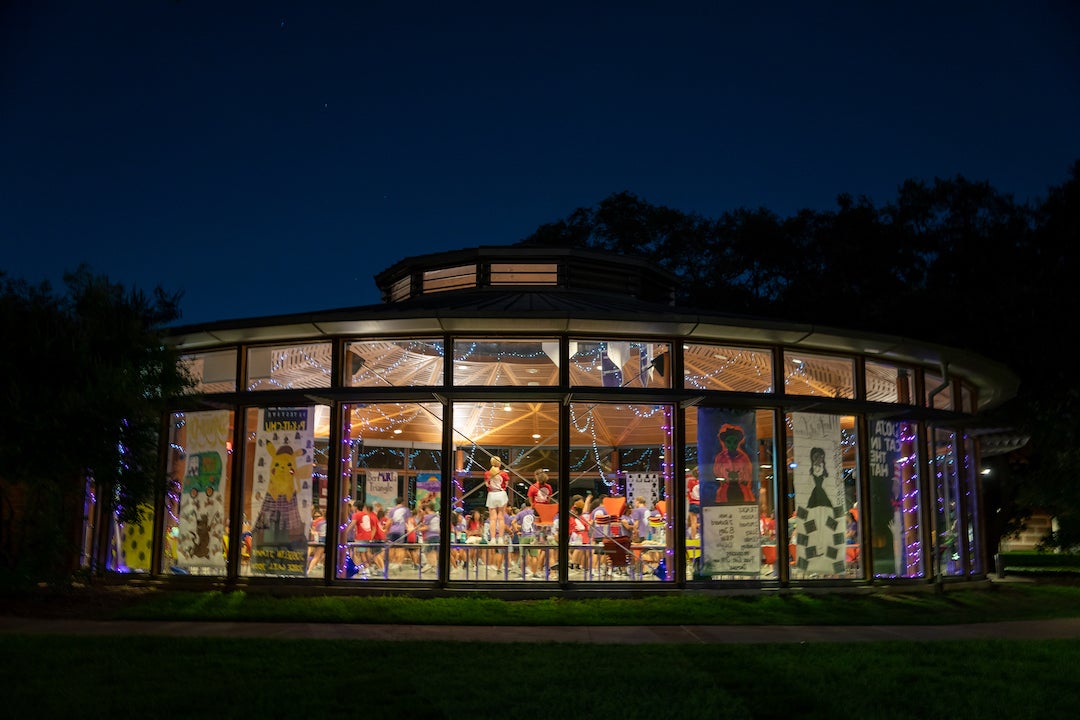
column 268, row 157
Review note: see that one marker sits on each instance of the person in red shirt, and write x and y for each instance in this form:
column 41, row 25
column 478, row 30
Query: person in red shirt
column 693, row 503
column 540, row 491
column 364, row 524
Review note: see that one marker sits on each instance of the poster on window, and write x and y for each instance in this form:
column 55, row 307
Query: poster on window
column 729, row 486
column 886, row 496
column 201, row 525
column 381, row 486
column 281, row 490
column 428, row 486
column 643, row 484
column 133, row 543
column 820, row 502
column 731, row 540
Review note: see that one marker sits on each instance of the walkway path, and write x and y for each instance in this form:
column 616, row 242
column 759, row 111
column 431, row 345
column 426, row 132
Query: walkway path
column 697, row 634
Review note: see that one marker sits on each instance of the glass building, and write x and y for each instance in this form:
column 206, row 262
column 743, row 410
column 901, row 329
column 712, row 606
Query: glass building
column 519, row 418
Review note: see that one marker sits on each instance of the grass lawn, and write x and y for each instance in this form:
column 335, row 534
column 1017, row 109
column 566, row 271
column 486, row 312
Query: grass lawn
column 1000, row 602
column 175, row 677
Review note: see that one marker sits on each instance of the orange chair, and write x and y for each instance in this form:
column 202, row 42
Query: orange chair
column 614, row 506
column 546, row 512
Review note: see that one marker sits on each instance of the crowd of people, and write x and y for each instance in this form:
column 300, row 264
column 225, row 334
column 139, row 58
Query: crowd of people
column 499, row 540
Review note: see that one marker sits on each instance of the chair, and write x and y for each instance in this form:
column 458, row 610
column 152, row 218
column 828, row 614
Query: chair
column 545, row 513
column 617, row 551
column 614, row 506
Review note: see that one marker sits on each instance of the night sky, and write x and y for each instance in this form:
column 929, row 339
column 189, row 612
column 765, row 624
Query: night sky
column 267, row 157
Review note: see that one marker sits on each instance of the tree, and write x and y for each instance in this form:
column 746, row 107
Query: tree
column 86, row 381
column 951, row 261
column 1049, row 407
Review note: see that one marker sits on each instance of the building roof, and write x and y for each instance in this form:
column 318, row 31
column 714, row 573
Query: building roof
column 585, row 304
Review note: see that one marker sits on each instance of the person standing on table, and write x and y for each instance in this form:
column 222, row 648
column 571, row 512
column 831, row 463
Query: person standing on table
column 497, row 481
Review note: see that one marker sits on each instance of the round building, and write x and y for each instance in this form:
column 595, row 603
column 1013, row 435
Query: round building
column 521, row 418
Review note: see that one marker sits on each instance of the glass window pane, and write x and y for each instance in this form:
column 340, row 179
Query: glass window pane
column 823, row 523
column 728, row 369
column 506, row 362
column 620, row 363
column 895, row 539
column 391, row 488
column 821, row 375
column 506, row 488
column 394, row 363
column 454, row 278
column 948, row 503
column 619, row 525
column 967, row 398
column 524, row 274
column 214, row 372
column 197, row 497
column 939, row 394
column 285, row 367
column 972, row 491
column 401, row 290
column 888, row 383
column 730, row 492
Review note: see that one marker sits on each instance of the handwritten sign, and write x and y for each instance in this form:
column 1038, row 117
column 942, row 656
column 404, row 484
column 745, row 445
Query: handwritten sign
column 731, row 540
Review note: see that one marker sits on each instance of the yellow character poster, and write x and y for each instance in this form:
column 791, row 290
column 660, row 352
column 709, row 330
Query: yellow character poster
column 281, row 491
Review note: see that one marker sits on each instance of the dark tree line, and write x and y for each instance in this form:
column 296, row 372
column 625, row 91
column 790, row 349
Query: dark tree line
column 85, row 380
column 951, row 261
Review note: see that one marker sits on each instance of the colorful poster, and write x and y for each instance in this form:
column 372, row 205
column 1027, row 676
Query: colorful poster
column 134, row 543
column 201, row 525
column 730, row 528
column 820, row 502
column 381, row 486
column 281, row 491
column 428, row 486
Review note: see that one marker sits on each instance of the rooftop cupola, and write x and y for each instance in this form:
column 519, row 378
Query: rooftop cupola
column 522, row 268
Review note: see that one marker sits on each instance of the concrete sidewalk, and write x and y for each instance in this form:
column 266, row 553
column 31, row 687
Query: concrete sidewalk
column 695, row 634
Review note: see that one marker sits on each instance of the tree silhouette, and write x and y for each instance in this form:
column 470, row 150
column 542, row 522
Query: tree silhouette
column 951, row 261
column 87, row 377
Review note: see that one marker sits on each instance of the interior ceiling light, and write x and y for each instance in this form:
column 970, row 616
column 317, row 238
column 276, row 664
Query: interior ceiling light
column 507, row 407
column 397, row 431
column 536, row 436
